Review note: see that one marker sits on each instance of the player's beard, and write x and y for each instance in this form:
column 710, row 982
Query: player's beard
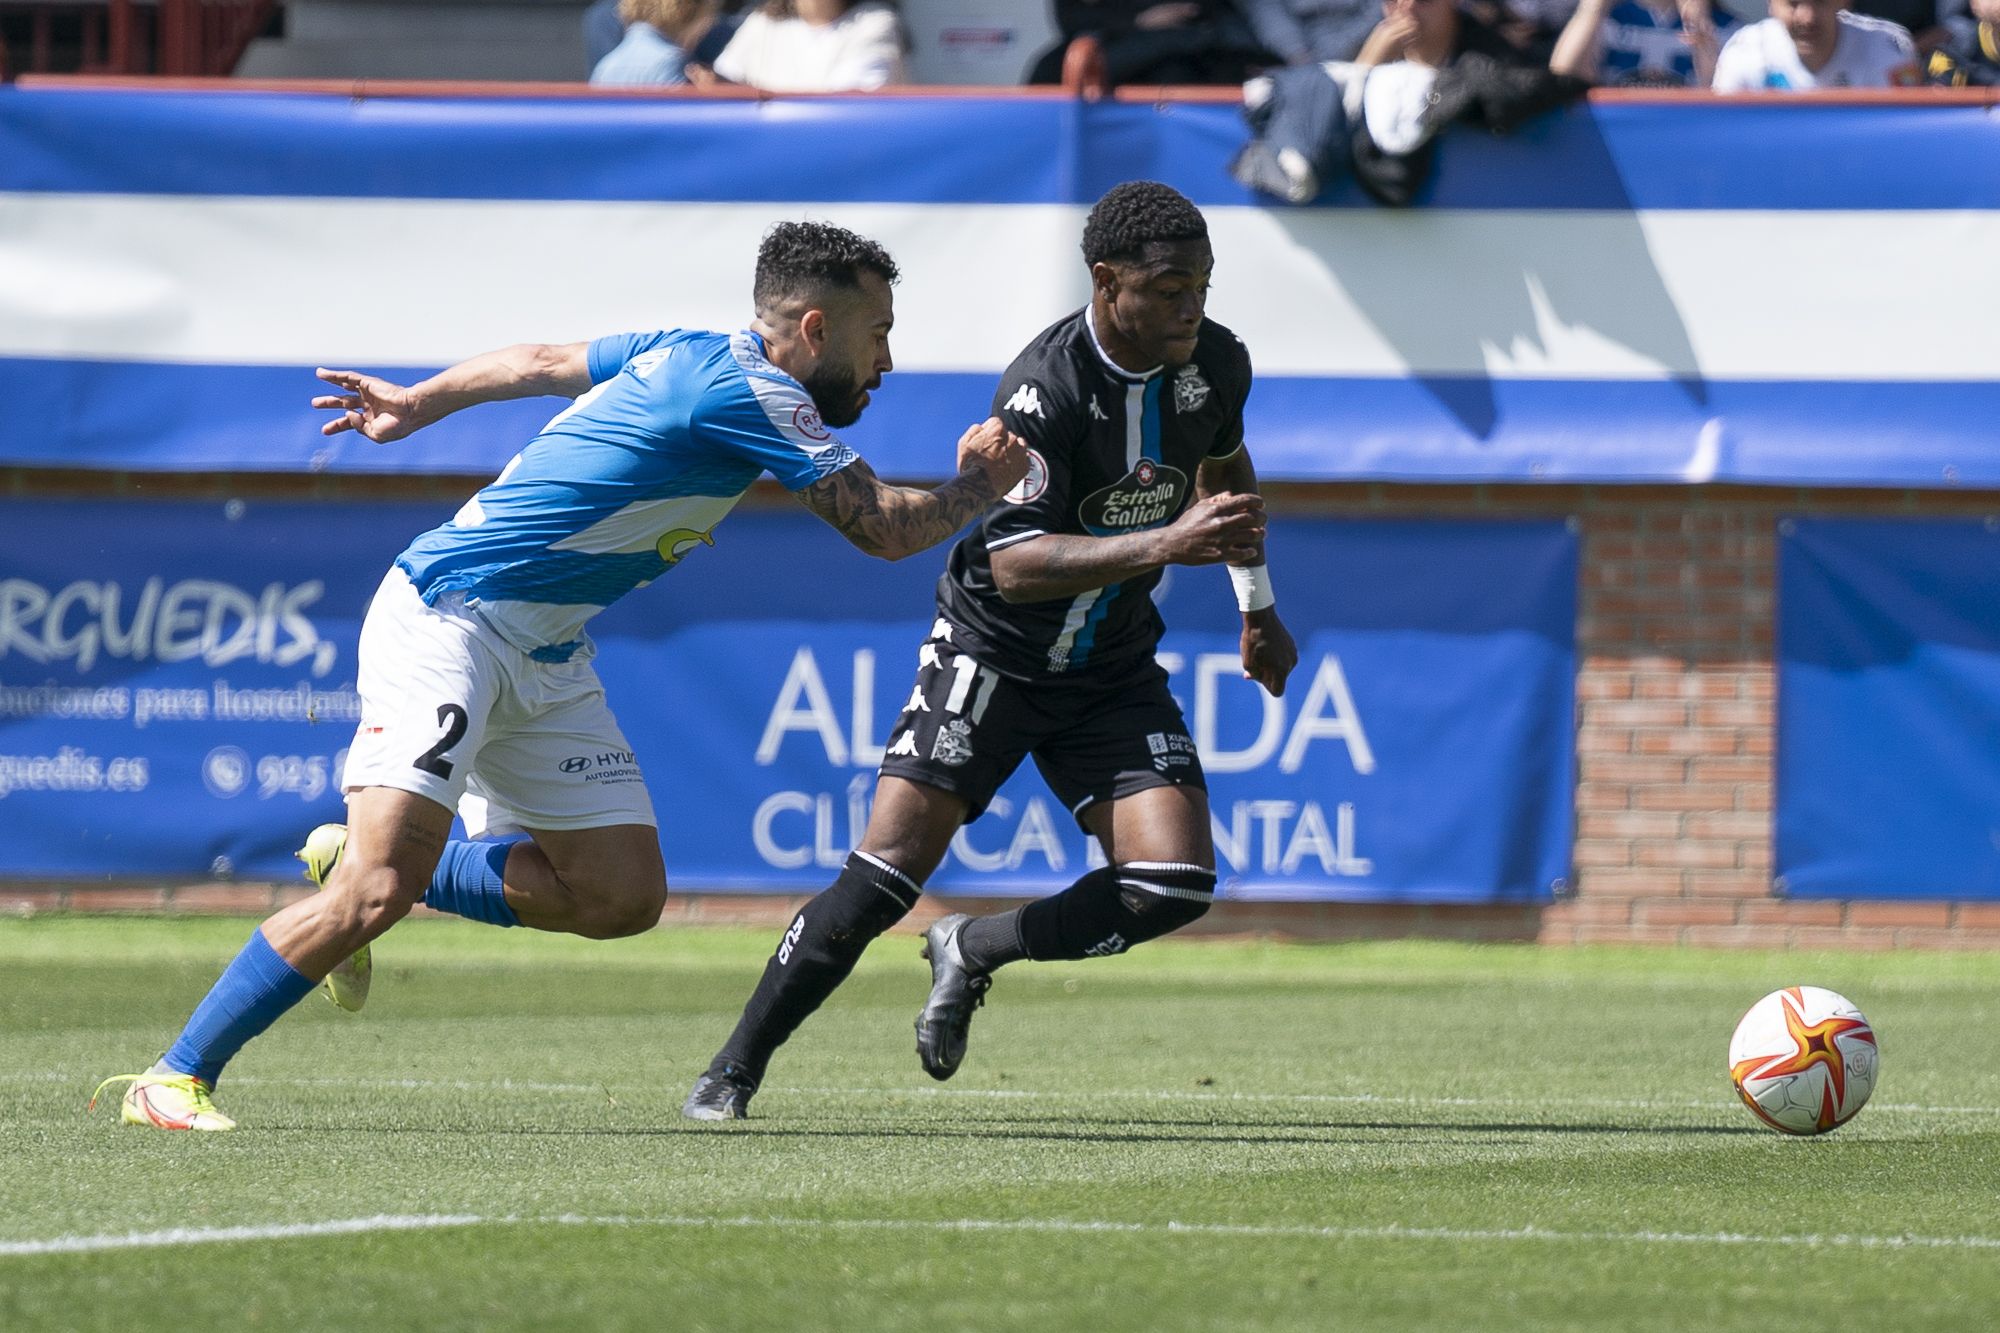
column 836, row 393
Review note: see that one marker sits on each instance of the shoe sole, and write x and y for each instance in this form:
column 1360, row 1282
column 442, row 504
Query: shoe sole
column 347, row 985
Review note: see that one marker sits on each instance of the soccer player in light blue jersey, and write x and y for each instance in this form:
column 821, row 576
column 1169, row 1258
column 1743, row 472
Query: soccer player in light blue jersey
column 478, row 693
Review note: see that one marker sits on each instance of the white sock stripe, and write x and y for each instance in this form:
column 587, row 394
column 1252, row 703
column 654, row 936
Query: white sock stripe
column 916, row 889
column 1188, row 866
column 1167, row 890
column 183, row 1236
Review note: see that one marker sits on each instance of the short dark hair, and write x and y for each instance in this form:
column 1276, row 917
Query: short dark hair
column 1137, row 214
column 806, row 258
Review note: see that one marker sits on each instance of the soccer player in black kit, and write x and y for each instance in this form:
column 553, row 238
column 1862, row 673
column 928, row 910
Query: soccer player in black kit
column 1044, row 644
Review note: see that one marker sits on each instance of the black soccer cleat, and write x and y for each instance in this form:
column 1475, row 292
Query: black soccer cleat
column 956, row 991
column 720, row 1094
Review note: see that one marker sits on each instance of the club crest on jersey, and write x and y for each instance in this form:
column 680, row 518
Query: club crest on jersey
column 1028, row 488
column 1147, row 496
column 953, row 745
column 1190, row 389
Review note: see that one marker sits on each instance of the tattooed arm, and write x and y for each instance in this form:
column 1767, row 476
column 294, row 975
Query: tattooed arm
column 895, row 521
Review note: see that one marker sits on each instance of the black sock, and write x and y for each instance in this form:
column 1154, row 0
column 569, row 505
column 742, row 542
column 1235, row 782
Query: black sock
column 824, row 942
column 987, row 942
column 1113, row 908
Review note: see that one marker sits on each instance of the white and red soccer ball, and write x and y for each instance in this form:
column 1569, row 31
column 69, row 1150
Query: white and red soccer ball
column 1803, row 1060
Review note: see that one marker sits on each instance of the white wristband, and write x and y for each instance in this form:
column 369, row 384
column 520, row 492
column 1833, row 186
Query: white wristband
column 1253, row 588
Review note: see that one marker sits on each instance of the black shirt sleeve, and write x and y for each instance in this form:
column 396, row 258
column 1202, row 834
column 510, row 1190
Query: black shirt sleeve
column 1037, row 401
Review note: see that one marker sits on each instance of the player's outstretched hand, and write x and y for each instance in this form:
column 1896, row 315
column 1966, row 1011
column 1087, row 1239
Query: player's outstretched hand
column 378, row 409
column 993, row 449
column 1220, row 529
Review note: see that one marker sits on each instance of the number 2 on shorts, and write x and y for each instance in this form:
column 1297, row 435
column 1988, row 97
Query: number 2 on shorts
column 454, row 721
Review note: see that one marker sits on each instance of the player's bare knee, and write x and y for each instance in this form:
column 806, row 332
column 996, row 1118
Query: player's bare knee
column 616, row 911
column 374, row 900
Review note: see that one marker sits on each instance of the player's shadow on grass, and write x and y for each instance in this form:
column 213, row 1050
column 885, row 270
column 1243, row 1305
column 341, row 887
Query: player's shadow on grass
column 1206, row 1131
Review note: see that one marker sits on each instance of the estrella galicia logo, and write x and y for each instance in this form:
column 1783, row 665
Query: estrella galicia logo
column 1147, row 496
column 577, row 763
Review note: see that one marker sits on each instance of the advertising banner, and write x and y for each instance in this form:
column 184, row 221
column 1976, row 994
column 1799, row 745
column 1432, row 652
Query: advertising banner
column 177, row 695
column 1888, row 759
column 1618, row 292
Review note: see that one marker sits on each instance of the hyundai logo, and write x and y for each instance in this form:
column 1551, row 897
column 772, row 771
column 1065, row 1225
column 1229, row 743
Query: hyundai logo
column 576, row 764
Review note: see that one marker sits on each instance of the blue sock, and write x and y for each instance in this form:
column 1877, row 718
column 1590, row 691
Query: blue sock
column 467, row 883
column 256, row 987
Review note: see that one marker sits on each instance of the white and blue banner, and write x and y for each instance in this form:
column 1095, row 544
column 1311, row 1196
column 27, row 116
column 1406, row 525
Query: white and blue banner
column 1779, row 292
column 177, row 696
column 1888, row 764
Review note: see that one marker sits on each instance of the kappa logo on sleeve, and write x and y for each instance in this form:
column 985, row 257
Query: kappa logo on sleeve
column 1027, row 400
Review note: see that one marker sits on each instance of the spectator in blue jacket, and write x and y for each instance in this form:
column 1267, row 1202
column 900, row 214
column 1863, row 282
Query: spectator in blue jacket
column 662, row 37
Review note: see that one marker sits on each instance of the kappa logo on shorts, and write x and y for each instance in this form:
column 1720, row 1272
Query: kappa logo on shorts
column 954, row 742
column 904, row 744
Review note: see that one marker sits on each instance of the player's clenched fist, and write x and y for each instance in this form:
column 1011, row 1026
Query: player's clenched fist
column 1225, row 529
column 991, row 448
column 380, row 410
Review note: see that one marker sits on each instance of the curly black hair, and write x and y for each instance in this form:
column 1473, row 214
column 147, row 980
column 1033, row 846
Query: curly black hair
column 804, row 259
column 1137, row 214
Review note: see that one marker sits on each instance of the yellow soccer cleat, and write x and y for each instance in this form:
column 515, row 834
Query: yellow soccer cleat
column 347, row 984
column 166, row 1101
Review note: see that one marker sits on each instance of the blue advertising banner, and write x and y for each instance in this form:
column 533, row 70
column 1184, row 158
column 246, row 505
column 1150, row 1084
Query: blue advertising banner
column 177, row 694
column 1888, row 763
column 177, row 680
column 1557, row 308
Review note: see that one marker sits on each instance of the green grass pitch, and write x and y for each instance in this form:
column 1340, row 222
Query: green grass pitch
column 1196, row 1136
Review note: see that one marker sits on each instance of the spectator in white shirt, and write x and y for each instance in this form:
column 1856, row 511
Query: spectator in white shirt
column 1816, row 44
column 811, row 46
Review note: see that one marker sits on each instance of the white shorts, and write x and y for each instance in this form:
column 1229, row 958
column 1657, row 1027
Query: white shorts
column 453, row 712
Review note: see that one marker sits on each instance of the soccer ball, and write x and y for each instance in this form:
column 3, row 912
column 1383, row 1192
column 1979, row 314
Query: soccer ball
column 1803, row 1060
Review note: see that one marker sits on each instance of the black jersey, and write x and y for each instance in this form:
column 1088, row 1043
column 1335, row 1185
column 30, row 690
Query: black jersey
column 1112, row 452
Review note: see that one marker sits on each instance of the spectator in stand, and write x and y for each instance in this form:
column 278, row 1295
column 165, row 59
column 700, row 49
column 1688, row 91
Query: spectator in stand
column 1971, row 57
column 1662, row 43
column 1930, row 23
column 1158, row 41
column 811, row 46
column 1304, row 32
column 1426, row 65
column 602, row 31
column 661, row 38
column 1816, row 44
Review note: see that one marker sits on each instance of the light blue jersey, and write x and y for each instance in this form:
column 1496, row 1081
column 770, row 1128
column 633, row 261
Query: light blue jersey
column 622, row 484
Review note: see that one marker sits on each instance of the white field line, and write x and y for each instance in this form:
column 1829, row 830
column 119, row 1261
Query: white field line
column 186, row 1236
column 1035, row 1094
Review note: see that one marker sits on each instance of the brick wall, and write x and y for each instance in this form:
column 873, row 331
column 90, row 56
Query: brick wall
column 1675, row 694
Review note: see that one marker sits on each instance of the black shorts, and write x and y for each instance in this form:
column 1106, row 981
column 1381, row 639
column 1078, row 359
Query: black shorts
column 1098, row 738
